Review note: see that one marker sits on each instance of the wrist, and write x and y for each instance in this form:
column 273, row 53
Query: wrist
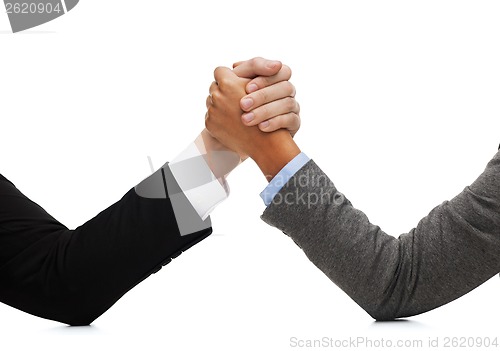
column 275, row 153
column 220, row 159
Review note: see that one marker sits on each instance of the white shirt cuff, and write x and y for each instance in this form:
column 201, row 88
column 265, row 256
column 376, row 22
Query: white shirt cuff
column 198, row 183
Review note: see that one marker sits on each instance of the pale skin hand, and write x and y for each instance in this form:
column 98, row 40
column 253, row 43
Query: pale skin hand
column 270, row 102
column 273, row 100
column 271, row 151
column 220, row 159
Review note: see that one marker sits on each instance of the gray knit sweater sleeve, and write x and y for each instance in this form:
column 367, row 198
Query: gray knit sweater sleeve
column 450, row 252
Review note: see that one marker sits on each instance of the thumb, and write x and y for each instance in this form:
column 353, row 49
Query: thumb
column 224, row 76
column 255, row 67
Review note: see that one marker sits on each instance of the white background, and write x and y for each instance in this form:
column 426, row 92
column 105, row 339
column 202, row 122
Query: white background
column 400, row 106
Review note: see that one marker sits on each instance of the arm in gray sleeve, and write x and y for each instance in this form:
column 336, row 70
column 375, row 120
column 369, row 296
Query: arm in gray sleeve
column 451, row 251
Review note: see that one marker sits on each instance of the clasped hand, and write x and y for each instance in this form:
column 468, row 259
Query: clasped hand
column 252, row 110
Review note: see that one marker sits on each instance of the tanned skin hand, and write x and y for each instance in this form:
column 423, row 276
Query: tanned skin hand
column 273, row 106
column 271, row 151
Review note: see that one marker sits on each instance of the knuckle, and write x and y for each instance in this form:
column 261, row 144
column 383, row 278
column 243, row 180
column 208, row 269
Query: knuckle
column 215, row 96
column 278, row 122
column 291, row 104
column 287, row 72
column 211, row 113
column 219, row 68
column 261, row 82
column 261, row 113
column 261, row 96
column 291, row 122
column 256, row 60
column 216, row 70
column 290, row 88
column 297, row 120
column 208, row 115
column 220, row 79
column 213, row 86
column 222, row 82
column 295, row 123
column 230, row 83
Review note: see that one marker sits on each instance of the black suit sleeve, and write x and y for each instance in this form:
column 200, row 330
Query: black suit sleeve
column 73, row 276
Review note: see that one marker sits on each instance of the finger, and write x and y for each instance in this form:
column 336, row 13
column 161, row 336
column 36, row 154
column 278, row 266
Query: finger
column 236, row 64
column 289, row 121
column 225, row 77
column 214, row 94
column 270, row 110
column 257, row 66
column 209, row 101
column 266, row 95
column 213, row 87
column 261, row 82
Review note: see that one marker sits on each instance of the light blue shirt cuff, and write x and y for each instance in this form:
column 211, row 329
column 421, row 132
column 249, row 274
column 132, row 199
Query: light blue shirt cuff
column 283, row 177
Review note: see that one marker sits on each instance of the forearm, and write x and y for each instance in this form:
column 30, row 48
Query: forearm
column 277, row 150
column 73, row 276
column 451, row 251
column 220, row 159
column 338, row 239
